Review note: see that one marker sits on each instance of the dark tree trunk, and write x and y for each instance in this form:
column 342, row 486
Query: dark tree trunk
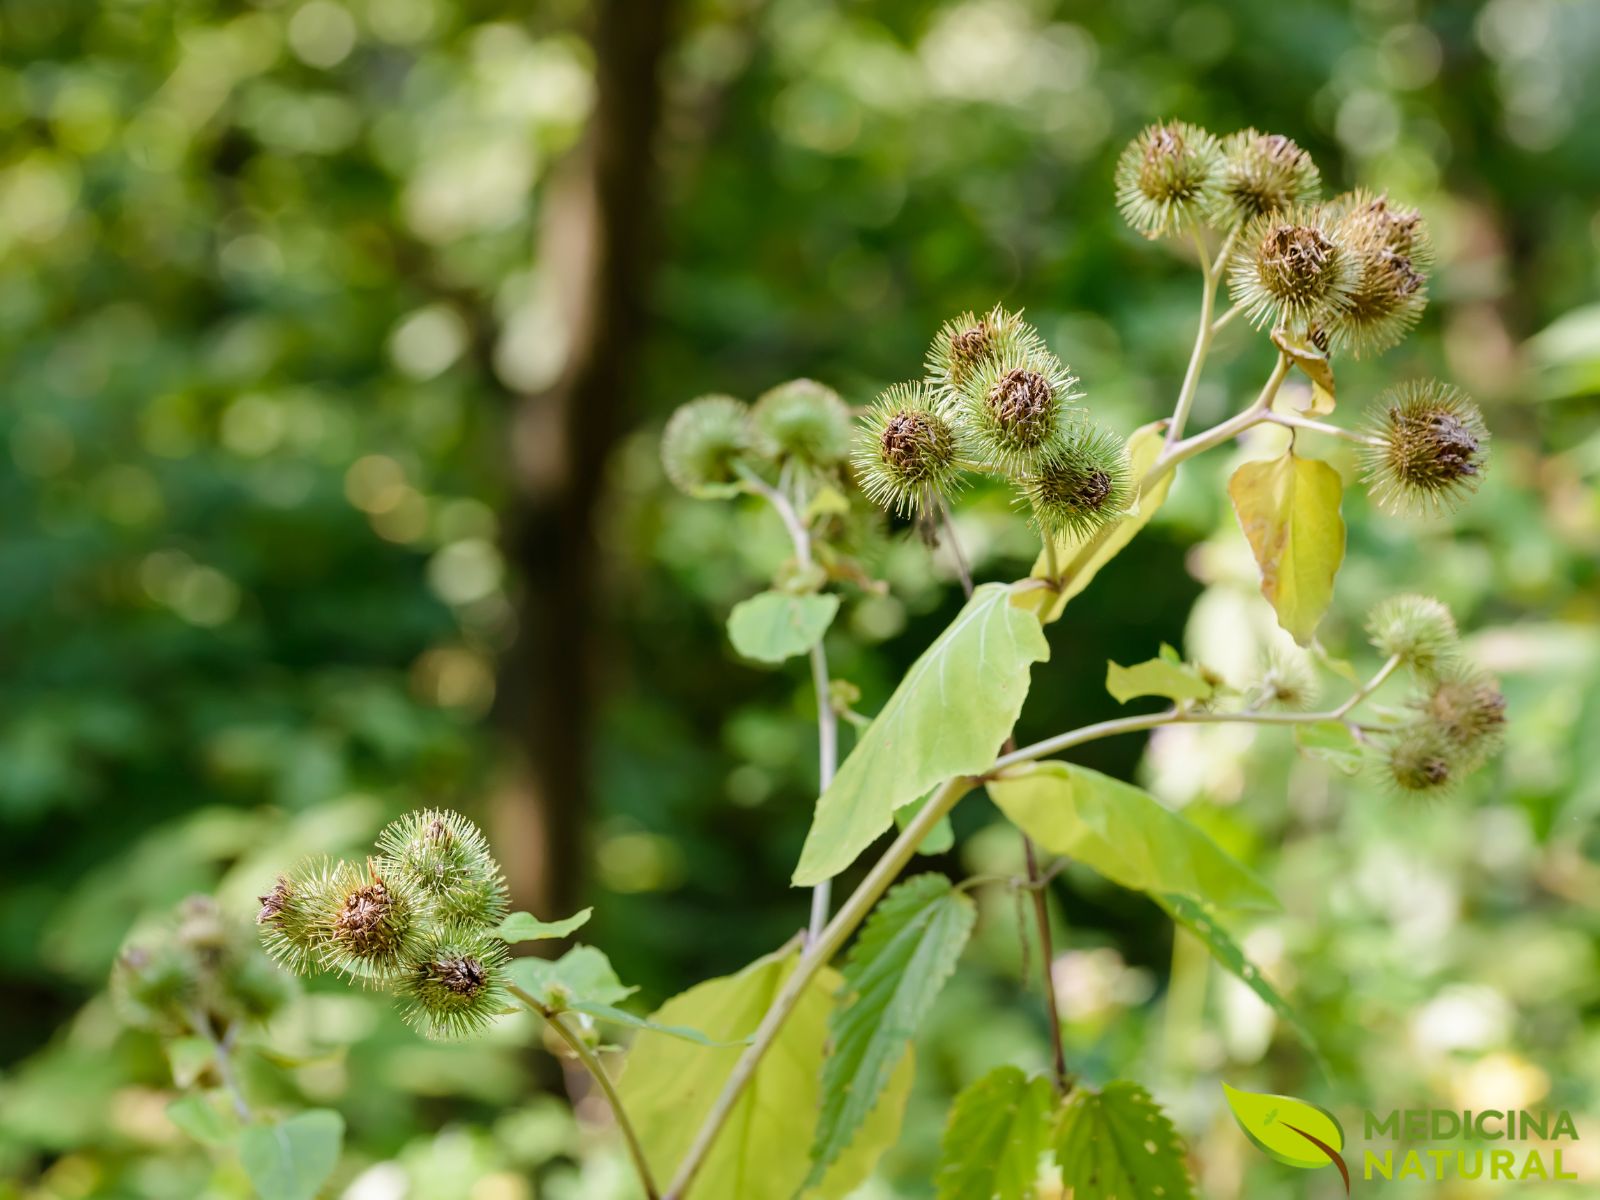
column 598, row 235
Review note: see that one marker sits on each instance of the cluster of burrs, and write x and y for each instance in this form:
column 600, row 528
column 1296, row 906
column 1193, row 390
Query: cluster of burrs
column 418, row 918
column 1345, row 275
column 1454, row 721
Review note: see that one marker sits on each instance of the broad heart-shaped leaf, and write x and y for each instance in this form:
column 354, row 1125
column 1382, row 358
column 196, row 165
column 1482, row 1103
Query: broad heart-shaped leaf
column 1201, row 921
column 906, row 951
column 947, row 718
column 1286, row 1128
column 1117, row 1144
column 1156, row 677
column 525, row 927
column 774, row 626
column 290, row 1159
column 1125, row 834
column 1314, row 364
column 583, row 975
column 1331, row 742
column 1288, row 508
column 999, row 1128
column 1079, row 559
column 668, row 1086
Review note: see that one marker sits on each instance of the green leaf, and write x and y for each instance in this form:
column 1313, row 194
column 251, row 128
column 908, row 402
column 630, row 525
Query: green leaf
column 188, row 1057
column 999, row 1127
column 291, row 1159
column 1288, row 508
column 947, row 718
column 204, row 1119
column 906, row 952
column 1331, row 742
column 668, row 1087
column 1314, row 365
column 776, row 625
column 1117, row 1144
column 1156, row 677
column 525, row 927
column 1125, row 834
column 940, row 838
column 1286, row 1128
column 1097, row 549
column 1201, row 921
column 618, row 1016
column 583, row 975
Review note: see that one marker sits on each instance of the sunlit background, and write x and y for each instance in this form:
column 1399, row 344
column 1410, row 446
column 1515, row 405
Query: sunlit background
column 328, row 489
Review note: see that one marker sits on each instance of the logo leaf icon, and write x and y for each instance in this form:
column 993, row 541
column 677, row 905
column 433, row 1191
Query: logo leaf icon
column 1289, row 1130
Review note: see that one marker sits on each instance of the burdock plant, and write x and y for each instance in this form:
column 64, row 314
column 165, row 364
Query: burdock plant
column 790, row 1076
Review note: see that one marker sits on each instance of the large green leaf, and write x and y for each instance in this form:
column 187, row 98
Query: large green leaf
column 1288, row 508
column 583, row 975
column 1201, row 920
column 761, row 1154
column 290, row 1159
column 773, row 626
column 525, row 927
column 999, row 1128
column 1125, row 834
column 948, row 717
column 906, row 951
column 1080, row 557
column 1117, row 1144
column 1164, row 676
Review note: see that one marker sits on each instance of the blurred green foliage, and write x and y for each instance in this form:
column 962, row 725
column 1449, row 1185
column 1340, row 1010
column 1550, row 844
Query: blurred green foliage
column 270, row 280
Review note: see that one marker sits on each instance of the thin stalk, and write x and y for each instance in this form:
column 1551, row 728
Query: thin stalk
column 596, row 1069
column 1348, row 435
column 1041, row 914
column 1369, row 687
column 1224, row 320
column 222, row 1051
column 1202, row 343
column 817, row 955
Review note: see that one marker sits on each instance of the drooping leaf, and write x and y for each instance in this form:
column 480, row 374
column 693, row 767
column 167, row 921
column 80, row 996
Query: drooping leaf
column 290, row 1159
column 1156, row 677
column 1201, row 921
column 1117, row 1144
column 1079, row 558
column 618, row 1016
column 669, row 1085
column 947, row 718
column 1286, row 1128
column 1288, row 508
column 940, row 838
column 1125, row 834
column 774, row 626
column 204, row 1119
column 999, row 1128
column 525, row 927
column 583, row 975
column 1331, row 742
column 906, row 951
column 1314, row 365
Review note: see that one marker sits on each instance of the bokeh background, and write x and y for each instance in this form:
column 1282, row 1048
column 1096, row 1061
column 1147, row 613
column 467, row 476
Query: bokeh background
column 336, row 339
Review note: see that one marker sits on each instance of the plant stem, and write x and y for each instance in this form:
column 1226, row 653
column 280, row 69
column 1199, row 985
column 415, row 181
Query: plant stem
column 1226, row 430
column 1202, row 343
column 1223, row 321
column 1369, row 687
column 596, row 1069
column 1294, row 422
column 222, row 1050
column 1041, row 914
column 817, row 954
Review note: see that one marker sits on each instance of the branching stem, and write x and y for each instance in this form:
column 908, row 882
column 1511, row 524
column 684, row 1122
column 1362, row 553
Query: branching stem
column 1296, row 422
column 222, row 1051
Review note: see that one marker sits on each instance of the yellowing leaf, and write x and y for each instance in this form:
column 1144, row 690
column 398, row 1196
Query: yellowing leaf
column 1125, row 834
column 1314, row 364
column 1288, row 508
column 947, row 718
column 669, row 1085
column 1156, row 677
column 1079, row 559
column 1290, row 1130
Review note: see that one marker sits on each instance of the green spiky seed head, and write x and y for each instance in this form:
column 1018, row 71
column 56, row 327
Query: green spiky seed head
column 453, row 985
column 1418, row 630
column 1468, row 708
column 1393, row 254
column 293, row 914
column 446, row 858
column 1167, row 178
column 1019, row 412
column 1429, row 448
column 804, row 421
column 155, row 981
column 1288, row 682
column 1290, row 268
column 1260, row 173
column 370, row 924
column 703, row 444
column 1421, row 761
column 1082, row 485
column 905, row 455
column 968, row 342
